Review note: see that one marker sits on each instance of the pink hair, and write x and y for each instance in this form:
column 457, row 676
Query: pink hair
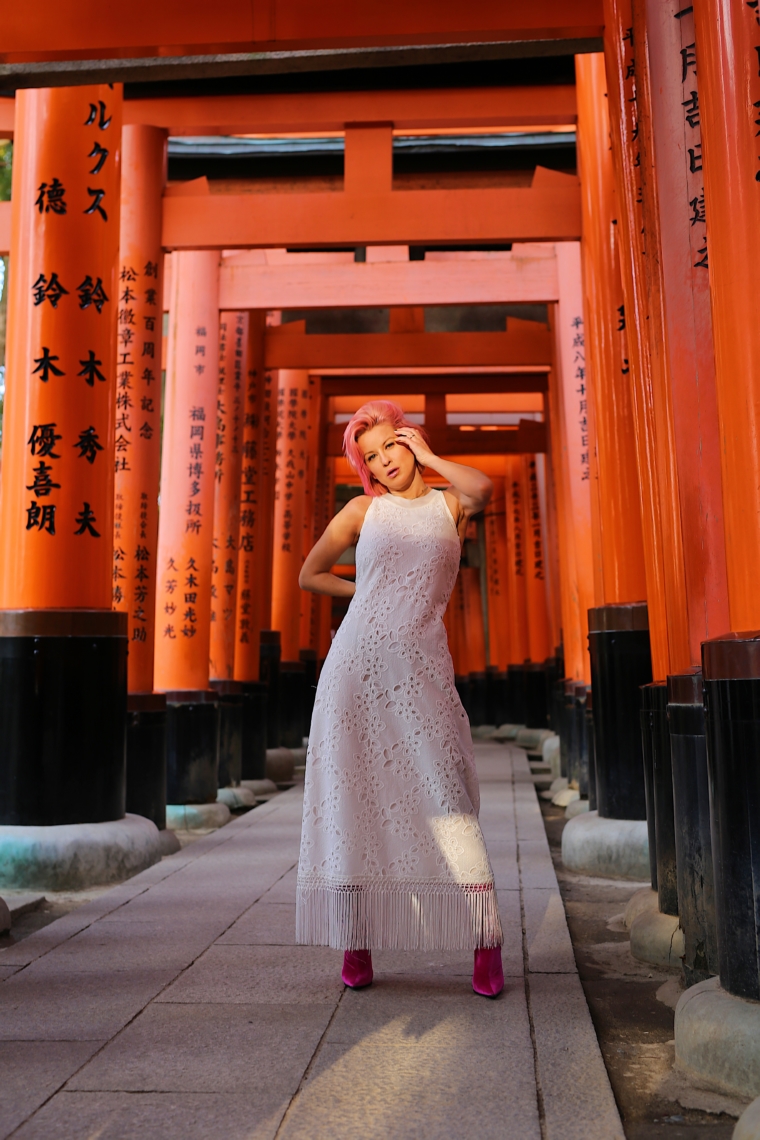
column 369, row 416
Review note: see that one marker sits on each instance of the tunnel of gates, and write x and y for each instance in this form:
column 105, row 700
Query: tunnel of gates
column 186, row 342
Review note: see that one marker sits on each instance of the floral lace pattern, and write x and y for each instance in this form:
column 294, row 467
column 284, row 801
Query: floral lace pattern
column 392, row 854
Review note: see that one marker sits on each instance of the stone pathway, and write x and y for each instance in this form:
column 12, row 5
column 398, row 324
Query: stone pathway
column 178, row 1005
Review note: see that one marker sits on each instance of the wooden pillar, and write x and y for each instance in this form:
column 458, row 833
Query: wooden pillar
column 56, row 506
column 290, row 476
column 458, row 629
column 519, row 646
column 473, row 618
column 138, row 395
column 618, row 542
column 254, row 573
column 539, row 640
column 228, row 453
column 186, row 524
column 311, row 506
column 643, row 288
column 571, row 444
column 727, row 47
column 496, row 577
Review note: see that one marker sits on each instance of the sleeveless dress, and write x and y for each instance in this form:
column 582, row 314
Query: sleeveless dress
column 392, row 854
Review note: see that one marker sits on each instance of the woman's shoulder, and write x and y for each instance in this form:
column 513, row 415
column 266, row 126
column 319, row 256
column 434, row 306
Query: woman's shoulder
column 357, row 507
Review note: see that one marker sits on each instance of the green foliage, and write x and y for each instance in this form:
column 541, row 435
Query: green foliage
column 6, row 167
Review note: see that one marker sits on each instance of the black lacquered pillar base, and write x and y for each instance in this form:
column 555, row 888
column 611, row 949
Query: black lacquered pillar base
column 292, row 699
column 647, row 737
column 731, row 669
column 192, row 746
column 620, row 665
column 691, row 798
column 589, row 714
column 269, row 673
column 231, row 711
column 567, row 749
column 478, row 698
column 309, row 658
column 535, row 695
column 462, row 682
column 63, row 716
column 146, row 756
column 654, row 703
column 580, row 740
column 516, row 682
column 254, row 744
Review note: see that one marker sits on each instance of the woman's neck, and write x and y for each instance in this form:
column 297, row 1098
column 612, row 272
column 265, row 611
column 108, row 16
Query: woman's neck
column 416, row 489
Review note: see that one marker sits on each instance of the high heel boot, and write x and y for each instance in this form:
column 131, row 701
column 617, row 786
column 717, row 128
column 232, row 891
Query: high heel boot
column 357, row 969
column 487, row 974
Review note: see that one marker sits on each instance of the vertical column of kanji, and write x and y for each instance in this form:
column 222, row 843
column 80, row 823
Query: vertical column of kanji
column 539, row 640
column 496, row 577
column 290, row 476
column 65, row 665
column 312, row 503
column 621, row 555
column 572, row 440
column 254, row 573
column 57, row 487
column 677, row 160
column 233, row 376
column 186, row 524
column 515, row 534
column 138, row 395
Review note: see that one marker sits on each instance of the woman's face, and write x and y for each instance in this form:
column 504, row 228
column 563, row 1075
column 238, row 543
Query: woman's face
column 391, row 463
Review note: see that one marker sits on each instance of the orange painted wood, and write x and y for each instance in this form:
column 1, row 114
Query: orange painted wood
column 676, row 139
column 457, row 630
column 229, row 221
column 728, row 38
column 473, row 616
column 530, row 344
column 621, row 62
column 291, row 462
column 168, row 27
column 497, row 577
column 511, row 278
column 186, row 523
column 519, row 645
column 312, row 488
column 228, row 459
column 620, row 556
column 254, row 574
column 138, row 396
column 571, row 446
column 539, row 638
column 460, row 381
column 56, row 504
column 276, row 113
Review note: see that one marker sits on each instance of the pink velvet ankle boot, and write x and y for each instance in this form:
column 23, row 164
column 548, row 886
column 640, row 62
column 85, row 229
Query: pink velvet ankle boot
column 487, row 974
column 357, row 969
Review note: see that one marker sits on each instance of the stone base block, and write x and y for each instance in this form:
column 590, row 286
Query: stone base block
column 718, row 1040
column 236, row 798
column 550, row 753
column 280, row 765
column 170, row 845
column 608, row 848
column 532, row 738
column 74, row 856
column 643, row 900
column 483, row 731
column 657, row 938
column 5, row 916
column 577, row 807
column 565, row 796
column 557, row 785
column 507, row 731
column 748, row 1124
column 196, row 817
column 262, row 789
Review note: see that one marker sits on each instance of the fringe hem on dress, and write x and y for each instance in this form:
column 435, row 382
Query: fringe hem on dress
column 403, row 916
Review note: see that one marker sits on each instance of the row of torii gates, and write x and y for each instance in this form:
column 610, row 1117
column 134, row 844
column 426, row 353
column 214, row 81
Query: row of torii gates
column 627, row 515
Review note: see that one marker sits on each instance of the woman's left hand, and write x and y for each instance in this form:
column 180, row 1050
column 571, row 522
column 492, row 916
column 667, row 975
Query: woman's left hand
column 411, row 438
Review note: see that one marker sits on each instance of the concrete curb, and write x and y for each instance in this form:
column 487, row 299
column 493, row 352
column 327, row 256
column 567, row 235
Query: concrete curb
column 196, row 817
column 657, row 938
column 718, row 1040
column 644, row 900
column 236, row 798
column 72, row 857
column 607, row 848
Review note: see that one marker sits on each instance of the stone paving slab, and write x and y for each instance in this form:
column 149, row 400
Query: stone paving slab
column 177, row 1004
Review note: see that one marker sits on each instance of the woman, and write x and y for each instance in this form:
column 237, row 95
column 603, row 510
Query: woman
column 392, row 855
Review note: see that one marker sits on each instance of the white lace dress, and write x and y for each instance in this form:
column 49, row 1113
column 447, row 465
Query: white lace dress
column 392, row 855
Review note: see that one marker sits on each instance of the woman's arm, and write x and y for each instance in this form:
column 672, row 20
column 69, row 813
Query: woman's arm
column 470, row 487
column 341, row 533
